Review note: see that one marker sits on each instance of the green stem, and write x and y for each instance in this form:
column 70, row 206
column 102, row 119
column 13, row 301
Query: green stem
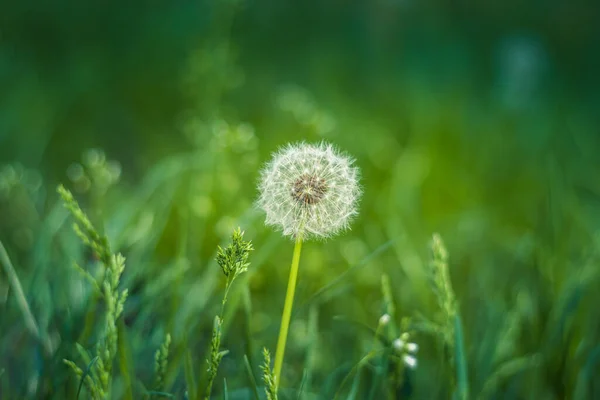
column 30, row 321
column 287, row 311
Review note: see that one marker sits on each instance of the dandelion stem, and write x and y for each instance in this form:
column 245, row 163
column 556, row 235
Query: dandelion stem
column 287, row 311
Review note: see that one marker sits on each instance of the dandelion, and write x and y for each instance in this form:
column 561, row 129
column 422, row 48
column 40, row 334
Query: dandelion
column 307, row 191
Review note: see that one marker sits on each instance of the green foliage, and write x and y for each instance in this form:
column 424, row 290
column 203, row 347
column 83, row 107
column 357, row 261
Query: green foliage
column 158, row 127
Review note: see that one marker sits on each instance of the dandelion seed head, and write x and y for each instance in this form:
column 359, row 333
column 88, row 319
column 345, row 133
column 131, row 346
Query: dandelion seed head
column 309, row 189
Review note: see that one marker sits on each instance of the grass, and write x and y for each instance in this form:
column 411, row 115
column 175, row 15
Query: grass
column 512, row 192
column 502, row 350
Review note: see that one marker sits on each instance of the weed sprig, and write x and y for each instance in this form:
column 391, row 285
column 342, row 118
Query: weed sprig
column 233, row 261
column 97, row 378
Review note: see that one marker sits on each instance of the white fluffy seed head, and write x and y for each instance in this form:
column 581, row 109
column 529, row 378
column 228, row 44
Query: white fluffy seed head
column 309, row 189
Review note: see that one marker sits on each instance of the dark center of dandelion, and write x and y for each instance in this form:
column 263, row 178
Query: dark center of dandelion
column 309, row 189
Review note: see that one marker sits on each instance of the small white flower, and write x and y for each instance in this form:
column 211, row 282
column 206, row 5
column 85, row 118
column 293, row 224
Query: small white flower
column 412, row 347
column 385, row 319
column 309, row 190
column 398, row 344
column 410, row 361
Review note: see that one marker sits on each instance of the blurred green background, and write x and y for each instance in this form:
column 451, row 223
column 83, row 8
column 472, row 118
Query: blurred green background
column 477, row 120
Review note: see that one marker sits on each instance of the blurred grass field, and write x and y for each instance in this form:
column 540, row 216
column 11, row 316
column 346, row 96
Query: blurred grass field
column 479, row 122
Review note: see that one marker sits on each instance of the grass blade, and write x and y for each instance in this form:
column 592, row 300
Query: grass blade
column 586, row 376
column 302, row 383
column 355, row 369
column 83, row 353
column 462, row 384
column 252, row 378
column 506, row 370
column 346, row 273
column 190, row 379
column 86, row 373
column 125, row 364
column 160, row 394
column 28, row 317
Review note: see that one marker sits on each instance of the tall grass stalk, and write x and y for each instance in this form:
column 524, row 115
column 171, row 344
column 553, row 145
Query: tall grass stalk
column 451, row 328
column 233, row 260
column 98, row 376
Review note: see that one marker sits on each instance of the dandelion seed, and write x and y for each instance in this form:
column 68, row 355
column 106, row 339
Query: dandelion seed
column 310, row 190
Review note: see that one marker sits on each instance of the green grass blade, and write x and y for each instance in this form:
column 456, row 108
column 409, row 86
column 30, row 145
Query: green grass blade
column 247, row 304
column 378, row 251
column 302, row 384
column 354, row 370
column 251, row 378
column 30, row 321
column 380, row 371
column 506, row 370
column 312, row 348
column 160, row 394
column 190, row 375
column 86, row 373
column 462, row 384
column 125, row 363
column 355, row 387
column 586, row 375
column 83, row 353
column 364, row 327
